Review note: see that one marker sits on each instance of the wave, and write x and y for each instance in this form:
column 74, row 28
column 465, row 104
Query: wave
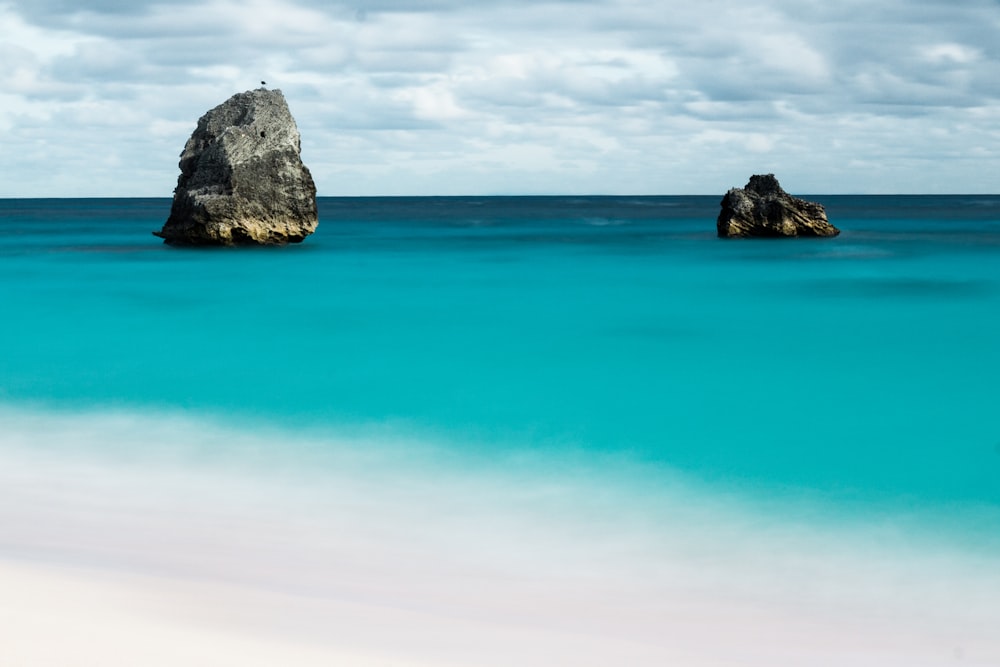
column 419, row 551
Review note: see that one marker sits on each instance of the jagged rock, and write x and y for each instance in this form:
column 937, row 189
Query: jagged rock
column 242, row 179
column 762, row 208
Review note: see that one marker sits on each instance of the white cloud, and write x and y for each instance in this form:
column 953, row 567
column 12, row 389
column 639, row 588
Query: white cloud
column 401, row 97
column 434, row 102
column 44, row 43
column 950, row 54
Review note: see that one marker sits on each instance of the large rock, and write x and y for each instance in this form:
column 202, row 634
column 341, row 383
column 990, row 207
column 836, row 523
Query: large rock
column 242, row 179
column 762, row 208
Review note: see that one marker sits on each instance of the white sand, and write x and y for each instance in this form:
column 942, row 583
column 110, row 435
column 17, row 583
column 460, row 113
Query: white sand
column 66, row 617
column 52, row 616
column 163, row 556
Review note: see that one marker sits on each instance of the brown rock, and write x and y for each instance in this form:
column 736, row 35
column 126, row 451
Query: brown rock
column 763, row 209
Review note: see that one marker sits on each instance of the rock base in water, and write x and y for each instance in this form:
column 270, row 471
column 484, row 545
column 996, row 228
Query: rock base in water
column 763, row 209
column 242, row 178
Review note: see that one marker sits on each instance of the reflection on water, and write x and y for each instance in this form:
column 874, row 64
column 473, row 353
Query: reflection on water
column 845, row 252
column 896, row 287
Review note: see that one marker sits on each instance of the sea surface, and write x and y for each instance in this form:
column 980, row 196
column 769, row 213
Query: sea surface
column 589, row 371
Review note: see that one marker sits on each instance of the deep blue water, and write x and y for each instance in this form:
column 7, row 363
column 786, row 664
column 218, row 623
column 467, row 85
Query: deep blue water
column 862, row 368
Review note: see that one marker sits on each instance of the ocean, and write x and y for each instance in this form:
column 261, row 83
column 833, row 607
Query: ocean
column 542, row 430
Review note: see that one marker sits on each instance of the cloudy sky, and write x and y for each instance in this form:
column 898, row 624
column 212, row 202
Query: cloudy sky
column 97, row 97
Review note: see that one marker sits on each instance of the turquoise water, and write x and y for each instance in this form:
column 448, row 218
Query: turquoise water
column 861, row 369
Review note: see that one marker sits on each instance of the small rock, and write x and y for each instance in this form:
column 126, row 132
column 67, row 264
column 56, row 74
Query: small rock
column 763, row 209
column 242, row 179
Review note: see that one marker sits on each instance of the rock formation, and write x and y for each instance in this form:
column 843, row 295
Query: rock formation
column 242, row 179
column 762, row 208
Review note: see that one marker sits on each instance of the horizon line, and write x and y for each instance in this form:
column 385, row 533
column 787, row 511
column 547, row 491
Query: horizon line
column 542, row 195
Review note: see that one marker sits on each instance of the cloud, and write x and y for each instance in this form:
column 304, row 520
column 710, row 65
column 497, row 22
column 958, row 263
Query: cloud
column 401, row 97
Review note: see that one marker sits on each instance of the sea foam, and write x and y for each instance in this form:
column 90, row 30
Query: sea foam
column 393, row 546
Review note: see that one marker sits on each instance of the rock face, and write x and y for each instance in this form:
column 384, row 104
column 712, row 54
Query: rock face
column 763, row 209
column 242, row 179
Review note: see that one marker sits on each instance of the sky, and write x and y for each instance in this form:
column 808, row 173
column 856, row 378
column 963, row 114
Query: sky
column 483, row 97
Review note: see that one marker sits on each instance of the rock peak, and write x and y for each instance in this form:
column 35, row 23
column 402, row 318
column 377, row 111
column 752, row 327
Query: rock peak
column 762, row 208
column 764, row 185
column 242, row 179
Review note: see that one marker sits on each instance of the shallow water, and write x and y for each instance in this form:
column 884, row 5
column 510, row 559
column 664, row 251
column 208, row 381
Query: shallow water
column 864, row 364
